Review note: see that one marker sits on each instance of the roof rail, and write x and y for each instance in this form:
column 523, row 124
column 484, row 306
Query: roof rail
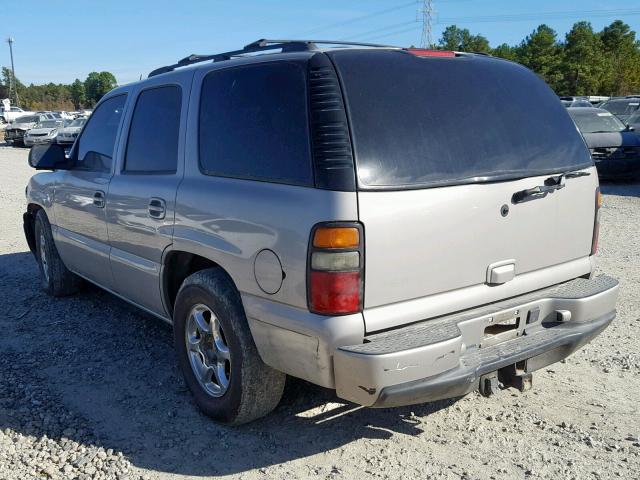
column 260, row 46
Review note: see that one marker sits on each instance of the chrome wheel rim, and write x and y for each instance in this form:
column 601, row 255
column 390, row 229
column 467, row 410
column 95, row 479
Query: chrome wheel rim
column 43, row 259
column 208, row 350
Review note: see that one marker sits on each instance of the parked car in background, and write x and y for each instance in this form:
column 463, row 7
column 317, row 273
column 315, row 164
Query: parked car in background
column 634, row 121
column 260, row 205
column 43, row 132
column 67, row 135
column 622, row 107
column 15, row 131
column 12, row 114
column 614, row 147
column 575, row 102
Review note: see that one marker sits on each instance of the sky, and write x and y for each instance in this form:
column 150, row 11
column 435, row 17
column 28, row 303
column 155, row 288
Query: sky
column 61, row 41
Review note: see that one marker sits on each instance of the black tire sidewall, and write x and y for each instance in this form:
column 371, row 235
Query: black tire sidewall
column 43, row 230
column 225, row 408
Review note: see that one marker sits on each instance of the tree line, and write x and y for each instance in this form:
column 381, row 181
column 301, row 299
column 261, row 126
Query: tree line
column 60, row 96
column 585, row 62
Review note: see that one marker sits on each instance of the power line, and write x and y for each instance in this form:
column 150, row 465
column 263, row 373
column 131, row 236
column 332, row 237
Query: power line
column 360, row 18
column 394, row 29
column 522, row 17
column 374, row 31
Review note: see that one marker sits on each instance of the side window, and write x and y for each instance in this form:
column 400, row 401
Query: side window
column 97, row 142
column 152, row 146
column 254, row 124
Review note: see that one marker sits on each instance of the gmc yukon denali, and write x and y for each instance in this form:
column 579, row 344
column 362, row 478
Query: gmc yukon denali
column 400, row 225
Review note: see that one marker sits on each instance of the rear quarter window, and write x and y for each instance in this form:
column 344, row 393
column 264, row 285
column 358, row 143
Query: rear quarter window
column 254, row 124
column 419, row 122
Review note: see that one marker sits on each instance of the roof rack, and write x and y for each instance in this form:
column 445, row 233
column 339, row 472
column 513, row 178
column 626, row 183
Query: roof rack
column 261, row 46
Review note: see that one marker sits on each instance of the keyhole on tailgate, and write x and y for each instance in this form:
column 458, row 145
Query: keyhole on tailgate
column 504, row 210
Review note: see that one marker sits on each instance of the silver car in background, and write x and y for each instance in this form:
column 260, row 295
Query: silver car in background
column 68, row 134
column 43, row 132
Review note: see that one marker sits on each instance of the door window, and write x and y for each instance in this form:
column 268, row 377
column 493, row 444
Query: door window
column 97, row 142
column 152, row 146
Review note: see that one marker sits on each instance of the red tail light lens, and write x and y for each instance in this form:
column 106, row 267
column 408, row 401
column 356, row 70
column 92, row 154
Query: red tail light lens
column 424, row 52
column 335, row 265
column 596, row 223
column 335, row 292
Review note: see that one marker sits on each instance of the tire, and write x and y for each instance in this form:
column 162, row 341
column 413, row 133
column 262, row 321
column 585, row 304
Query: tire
column 55, row 278
column 222, row 350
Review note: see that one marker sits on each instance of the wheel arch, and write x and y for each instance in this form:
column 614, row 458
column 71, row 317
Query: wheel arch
column 29, row 220
column 177, row 265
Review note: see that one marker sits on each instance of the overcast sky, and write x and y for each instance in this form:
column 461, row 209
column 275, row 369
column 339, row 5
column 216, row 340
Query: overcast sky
column 61, row 41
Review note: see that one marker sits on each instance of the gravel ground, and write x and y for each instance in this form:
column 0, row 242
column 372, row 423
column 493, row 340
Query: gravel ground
column 89, row 389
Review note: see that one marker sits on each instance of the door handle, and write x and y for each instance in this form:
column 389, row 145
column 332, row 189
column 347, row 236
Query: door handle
column 157, row 208
column 98, row 199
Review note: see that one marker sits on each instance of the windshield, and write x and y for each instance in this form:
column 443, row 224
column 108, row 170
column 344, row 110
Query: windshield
column 419, row 122
column 597, row 122
column 635, row 118
column 47, row 124
column 28, row 119
column 78, row 122
column 621, row 107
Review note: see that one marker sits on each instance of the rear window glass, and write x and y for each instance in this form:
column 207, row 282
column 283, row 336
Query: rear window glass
column 621, row 107
column 437, row 121
column 254, row 124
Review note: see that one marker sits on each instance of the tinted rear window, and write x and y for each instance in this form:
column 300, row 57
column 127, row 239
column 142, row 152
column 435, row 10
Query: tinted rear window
column 433, row 121
column 254, row 124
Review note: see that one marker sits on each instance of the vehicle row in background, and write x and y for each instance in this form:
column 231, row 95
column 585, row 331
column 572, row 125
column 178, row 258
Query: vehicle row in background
column 622, row 107
column 43, row 127
column 614, row 146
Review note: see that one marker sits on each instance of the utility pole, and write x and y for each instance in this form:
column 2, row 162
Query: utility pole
column 12, row 81
column 427, row 18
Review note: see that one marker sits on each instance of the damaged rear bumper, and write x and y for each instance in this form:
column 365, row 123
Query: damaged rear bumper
column 446, row 357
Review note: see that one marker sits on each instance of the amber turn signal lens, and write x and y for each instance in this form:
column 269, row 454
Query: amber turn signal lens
column 599, row 198
column 336, row 237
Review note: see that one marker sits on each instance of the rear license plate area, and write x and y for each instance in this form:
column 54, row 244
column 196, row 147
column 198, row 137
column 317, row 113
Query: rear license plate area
column 501, row 327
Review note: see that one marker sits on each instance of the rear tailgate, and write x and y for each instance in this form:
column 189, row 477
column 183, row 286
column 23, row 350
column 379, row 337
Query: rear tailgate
column 442, row 145
column 428, row 251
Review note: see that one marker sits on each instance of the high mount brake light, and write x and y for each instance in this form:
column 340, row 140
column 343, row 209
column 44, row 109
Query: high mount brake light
column 596, row 223
column 335, row 266
column 424, row 52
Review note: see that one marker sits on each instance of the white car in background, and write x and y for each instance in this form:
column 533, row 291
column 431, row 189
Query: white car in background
column 68, row 134
column 45, row 131
column 8, row 116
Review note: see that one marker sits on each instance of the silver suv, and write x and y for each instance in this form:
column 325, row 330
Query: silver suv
column 400, row 225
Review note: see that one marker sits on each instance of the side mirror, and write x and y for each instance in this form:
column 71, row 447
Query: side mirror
column 48, row 157
column 630, row 128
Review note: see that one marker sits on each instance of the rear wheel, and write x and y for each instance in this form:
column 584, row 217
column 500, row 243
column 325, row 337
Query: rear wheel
column 217, row 354
column 55, row 278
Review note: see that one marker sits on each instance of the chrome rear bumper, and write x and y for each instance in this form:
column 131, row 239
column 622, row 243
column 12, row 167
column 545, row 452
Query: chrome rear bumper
column 445, row 357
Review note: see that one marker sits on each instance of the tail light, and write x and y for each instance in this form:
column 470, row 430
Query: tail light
column 335, row 267
column 596, row 223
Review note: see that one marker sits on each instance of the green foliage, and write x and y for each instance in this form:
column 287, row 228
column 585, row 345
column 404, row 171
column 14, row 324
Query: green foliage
column 584, row 66
column 585, row 63
column 97, row 84
column 77, row 92
column 461, row 40
column 542, row 53
column 58, row 96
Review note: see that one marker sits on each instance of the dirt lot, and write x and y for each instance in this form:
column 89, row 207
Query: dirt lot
column 89, row 389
